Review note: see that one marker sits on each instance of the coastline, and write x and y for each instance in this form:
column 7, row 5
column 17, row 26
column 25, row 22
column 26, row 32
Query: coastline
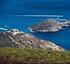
column 22, row 40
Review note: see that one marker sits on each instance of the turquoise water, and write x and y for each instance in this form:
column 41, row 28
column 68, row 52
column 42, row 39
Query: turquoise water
column 61, row 38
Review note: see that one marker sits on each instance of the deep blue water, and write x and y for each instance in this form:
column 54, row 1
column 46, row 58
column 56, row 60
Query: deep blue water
column 61, row 38
column 15, row 7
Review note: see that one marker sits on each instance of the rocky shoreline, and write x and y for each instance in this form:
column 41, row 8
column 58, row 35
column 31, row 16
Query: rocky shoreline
column 18, row 39
column 49, row 25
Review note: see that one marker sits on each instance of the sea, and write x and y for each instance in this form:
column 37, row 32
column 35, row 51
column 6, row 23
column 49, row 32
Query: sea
column 12, row 16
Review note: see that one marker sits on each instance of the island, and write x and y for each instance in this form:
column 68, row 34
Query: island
column 49, row 25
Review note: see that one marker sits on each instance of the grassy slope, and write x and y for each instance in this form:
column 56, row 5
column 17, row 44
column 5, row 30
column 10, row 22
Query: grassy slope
column 32, row 56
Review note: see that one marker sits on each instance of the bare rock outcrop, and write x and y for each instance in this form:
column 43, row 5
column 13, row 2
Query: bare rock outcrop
column 18, row 39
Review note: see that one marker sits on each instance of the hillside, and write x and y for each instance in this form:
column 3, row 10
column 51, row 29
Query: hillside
column 33, row 56
column 18, row 47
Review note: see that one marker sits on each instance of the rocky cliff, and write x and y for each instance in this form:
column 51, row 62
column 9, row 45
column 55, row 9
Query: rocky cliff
column 18, row 39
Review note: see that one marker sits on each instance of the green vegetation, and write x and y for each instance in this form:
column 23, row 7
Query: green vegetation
column 33, row 56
